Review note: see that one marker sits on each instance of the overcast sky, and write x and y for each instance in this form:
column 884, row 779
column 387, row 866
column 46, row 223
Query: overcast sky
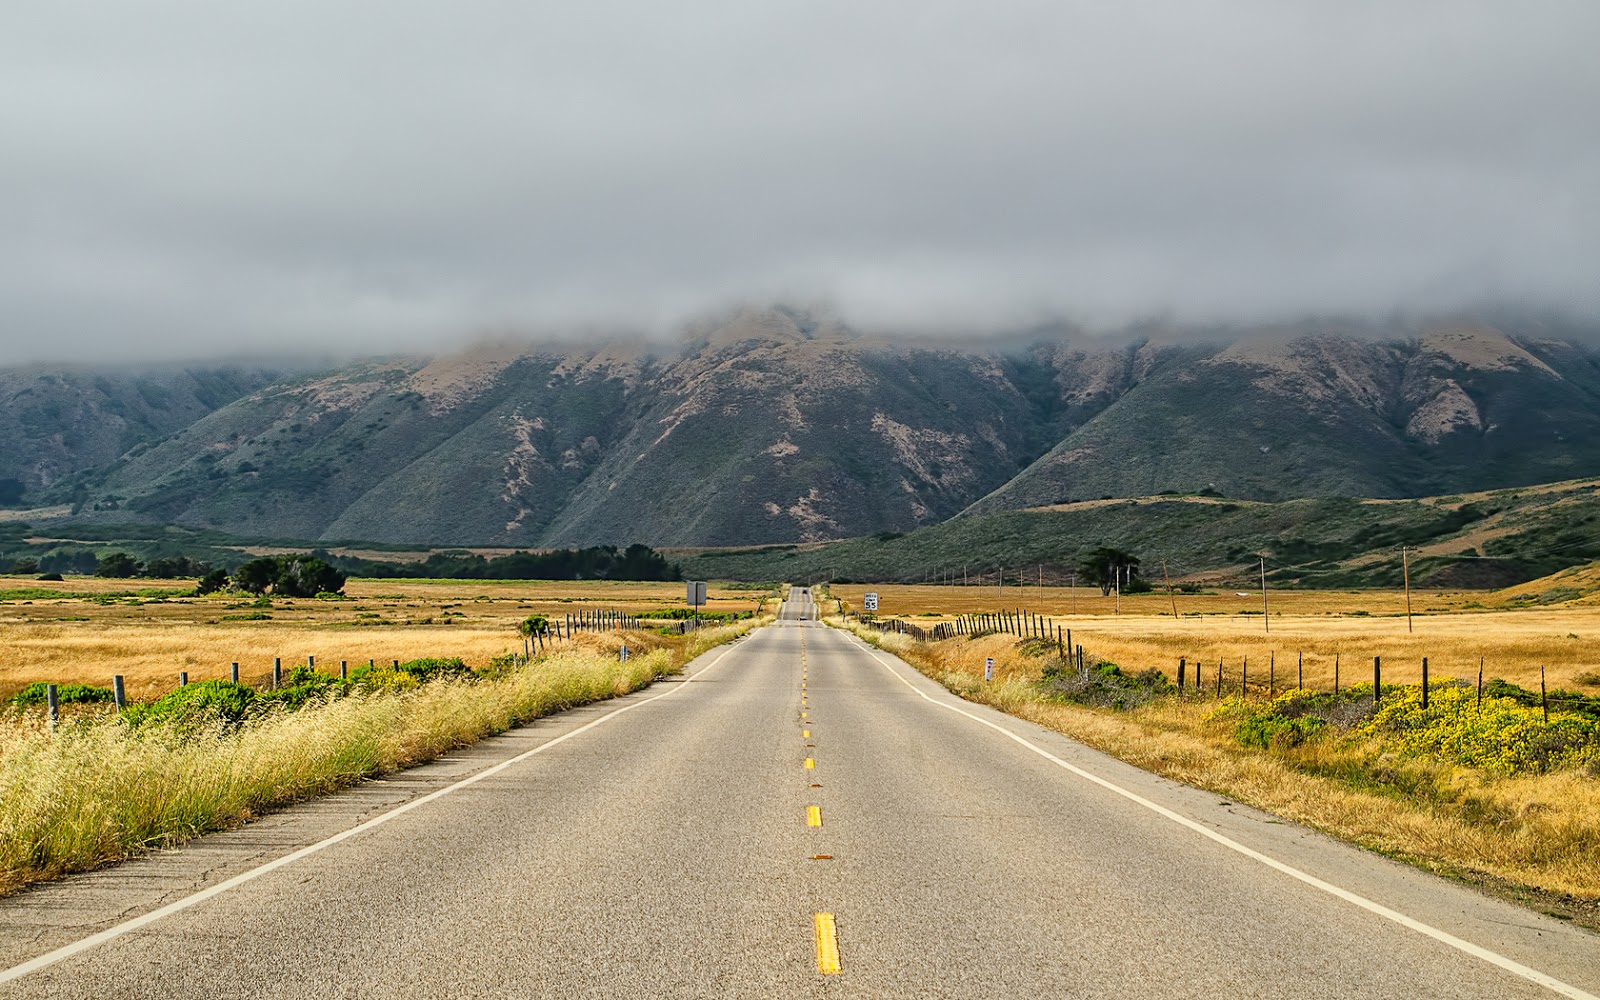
column 194, row 177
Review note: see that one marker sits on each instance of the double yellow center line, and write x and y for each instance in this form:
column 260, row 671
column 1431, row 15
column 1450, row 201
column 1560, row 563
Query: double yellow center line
column 824, row 925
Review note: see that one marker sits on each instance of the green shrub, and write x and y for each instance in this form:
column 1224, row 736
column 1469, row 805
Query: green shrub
column 1267, row 730
column 302, row 685
column 199, row 704
column 66, row 694
column 533, row 625
column 411, row 673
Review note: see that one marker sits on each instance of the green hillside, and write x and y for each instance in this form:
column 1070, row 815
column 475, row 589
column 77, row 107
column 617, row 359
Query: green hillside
column 1482, row 540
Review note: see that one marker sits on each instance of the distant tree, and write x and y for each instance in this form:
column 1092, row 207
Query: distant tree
column 25, row 565
column 256, row 576
column 212, row 582
column 306, row 576
column 117, row 566
column 1106, row 567
column 175, row 567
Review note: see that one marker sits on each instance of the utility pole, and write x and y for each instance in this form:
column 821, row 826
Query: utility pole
column 1168, row 580
column 1265, row 616
column 1072, row 591
column 1041, row 584
column 1405, row 568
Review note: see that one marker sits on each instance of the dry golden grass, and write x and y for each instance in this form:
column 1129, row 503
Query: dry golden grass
column 79, row 641
column 1539, row 835
column 1564, row 638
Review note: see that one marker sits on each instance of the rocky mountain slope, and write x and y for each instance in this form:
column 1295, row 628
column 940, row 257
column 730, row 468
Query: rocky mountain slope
column 771, row 426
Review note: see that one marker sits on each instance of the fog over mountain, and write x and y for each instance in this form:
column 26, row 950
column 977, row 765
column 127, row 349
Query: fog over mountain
column 185, row 179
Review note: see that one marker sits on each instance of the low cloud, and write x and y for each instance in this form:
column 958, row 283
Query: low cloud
column 186, row 178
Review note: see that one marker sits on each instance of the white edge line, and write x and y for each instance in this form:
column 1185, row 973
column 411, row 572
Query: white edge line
column 129, row 926
column 1444, row 937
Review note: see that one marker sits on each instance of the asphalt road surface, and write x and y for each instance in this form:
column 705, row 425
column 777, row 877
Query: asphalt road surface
column 802, row 817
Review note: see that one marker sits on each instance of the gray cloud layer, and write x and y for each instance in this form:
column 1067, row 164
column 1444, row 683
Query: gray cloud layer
column 192, row 177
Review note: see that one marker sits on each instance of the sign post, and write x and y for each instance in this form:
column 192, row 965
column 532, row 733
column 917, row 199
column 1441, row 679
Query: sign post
column 696, row 599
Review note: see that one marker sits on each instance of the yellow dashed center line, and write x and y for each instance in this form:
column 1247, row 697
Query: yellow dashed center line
column 813, row 815
column 811, row 763
column 827, row 944
column 805, row 734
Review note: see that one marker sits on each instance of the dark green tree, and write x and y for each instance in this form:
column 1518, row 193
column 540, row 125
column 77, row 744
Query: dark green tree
column 1106, row 566
column 306, row 576
column 256, row 575
column 212, row 582
column 117, row 566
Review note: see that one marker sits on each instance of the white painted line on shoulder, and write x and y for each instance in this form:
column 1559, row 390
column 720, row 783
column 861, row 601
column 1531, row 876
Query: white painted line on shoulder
column 143, row 920
column 1443, row 937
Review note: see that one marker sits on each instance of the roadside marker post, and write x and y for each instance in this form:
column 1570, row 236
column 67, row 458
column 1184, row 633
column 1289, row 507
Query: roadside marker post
column 696, row 599
column 988, row 668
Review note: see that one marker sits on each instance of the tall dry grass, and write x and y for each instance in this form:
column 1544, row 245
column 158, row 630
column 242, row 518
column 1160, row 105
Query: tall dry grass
column 1539, row 833
column 96, row 790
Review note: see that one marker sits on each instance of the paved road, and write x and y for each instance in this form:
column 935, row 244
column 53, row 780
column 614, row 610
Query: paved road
column 670, row 851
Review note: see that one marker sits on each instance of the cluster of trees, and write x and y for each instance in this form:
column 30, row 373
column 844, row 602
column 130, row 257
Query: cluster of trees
column 283, row 576
column 287, row 576
column 122, row 566
column 600, row 562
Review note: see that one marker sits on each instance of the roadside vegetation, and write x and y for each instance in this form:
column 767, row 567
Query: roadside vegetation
column 104, row 785
column 1484, row 790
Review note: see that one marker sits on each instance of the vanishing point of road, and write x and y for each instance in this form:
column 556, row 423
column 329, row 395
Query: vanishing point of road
column 800, row 815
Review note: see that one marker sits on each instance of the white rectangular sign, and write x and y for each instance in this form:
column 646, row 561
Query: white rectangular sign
column 988, row 668
column 870, row 602
column 697, row 593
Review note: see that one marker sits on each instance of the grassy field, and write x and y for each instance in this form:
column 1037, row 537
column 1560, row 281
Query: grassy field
column 79, row 632
column 1454, row 629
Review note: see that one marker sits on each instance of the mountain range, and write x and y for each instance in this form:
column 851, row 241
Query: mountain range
column 775, row 426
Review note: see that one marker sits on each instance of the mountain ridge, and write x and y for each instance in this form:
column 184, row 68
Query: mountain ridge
column 771, row 426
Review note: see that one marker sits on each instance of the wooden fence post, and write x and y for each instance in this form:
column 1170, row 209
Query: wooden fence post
column 1219, row 677
column 1424, row 682
column 233, row 673
column 1301, row 683
column 344, row 670
column 118, row 694
column 1180, row 675
column 1335, row 673
column 52, row 702
column 1480, row 683
column 183, row 678
column 277, row 672
column 1272, row 675
column 1377, row 680
column 1544, row 702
